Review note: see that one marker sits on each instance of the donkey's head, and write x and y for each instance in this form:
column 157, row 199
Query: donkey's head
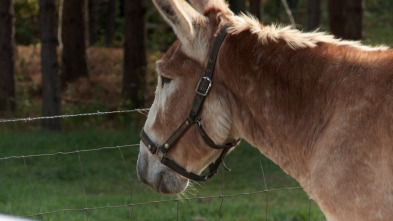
column 169, row 136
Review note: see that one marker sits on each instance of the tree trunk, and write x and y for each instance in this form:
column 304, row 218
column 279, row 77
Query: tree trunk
column 354, row 22
column 50, row 67
column 7, row 56
column 60, row 24
column 93, row 21
column 255, row 8
column 237, row 6
column 337, row 18
column 346, row 18
column 75, row 41
column 110, row 22
column 314, row 14
column 135, row 51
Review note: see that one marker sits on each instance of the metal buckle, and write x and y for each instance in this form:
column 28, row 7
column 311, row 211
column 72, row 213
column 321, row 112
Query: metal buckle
column 204, row 86
column 159, row 154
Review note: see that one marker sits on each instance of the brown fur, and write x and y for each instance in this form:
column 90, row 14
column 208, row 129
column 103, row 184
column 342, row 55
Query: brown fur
column 327, row 119
column 324, row 114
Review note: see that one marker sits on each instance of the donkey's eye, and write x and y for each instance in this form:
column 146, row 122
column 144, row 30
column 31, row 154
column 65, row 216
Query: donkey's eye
column 165, row 80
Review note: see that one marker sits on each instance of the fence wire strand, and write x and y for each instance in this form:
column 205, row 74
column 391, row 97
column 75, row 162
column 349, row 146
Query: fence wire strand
column 32, row 188
column 83, row 185
column 69, row 152
column 266, row 193
column 165, row 201
column 129, row 180
column 27, row 119
column 132, row 204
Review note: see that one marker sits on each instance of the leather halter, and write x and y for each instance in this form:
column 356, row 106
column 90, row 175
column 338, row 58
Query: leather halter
column 202, row 91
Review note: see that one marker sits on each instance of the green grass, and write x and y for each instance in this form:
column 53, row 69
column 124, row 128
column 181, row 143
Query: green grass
column 57, row 182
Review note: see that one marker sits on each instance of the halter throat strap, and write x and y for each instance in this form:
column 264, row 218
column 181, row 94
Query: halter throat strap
column 202, row 91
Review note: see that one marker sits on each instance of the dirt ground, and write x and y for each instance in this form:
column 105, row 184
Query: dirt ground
column 103, row 86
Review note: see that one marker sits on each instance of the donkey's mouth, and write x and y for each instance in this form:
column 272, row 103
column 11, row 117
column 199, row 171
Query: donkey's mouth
column 159, row 177
column 168, row 182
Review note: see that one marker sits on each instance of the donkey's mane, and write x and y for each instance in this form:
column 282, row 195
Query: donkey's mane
column 294, row 38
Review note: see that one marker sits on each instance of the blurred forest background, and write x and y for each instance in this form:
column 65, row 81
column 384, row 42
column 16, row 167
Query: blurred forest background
column 77, row 56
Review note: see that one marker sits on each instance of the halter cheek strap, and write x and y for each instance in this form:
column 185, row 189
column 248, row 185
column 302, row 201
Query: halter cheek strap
column 202, row 91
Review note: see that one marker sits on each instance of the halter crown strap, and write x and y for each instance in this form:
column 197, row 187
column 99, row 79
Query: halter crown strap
column 202, row 91
column 206, row 81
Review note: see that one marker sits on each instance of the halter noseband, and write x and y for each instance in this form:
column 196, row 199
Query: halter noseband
column 202, row 91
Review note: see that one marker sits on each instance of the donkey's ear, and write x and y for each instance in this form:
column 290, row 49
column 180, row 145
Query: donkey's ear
column 181, row 16
column 204, row 5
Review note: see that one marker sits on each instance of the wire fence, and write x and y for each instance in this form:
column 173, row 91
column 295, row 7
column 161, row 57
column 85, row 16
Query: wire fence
column 41, row 213
column 26, row 119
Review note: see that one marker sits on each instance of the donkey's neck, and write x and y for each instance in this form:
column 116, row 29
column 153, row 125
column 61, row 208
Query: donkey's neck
column 280, row 107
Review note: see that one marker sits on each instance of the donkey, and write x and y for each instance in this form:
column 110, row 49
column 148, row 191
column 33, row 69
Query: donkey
column 321, row 108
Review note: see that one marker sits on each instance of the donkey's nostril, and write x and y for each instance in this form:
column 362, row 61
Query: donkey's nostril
column 163, row 188
column 142, row 176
